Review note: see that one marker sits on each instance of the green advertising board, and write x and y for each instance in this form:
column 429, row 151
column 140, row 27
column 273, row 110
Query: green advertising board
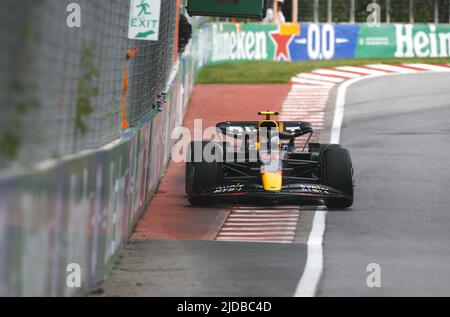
column 404, row 41
column 244, row 42
column 376, row 42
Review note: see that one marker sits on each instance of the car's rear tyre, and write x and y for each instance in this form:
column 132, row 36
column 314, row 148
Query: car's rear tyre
column 337, row 173
column 201, row 174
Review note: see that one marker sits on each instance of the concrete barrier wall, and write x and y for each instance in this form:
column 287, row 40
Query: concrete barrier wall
column 77, row 213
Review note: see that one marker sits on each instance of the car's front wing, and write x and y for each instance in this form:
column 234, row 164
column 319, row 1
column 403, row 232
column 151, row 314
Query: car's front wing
column 301, row 191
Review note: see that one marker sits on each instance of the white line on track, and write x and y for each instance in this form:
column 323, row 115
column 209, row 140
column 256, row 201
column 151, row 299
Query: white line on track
column 320, row 77
column 307, row 286
column 339, row 110
column 266, row 215
column 330, row 72
column 259, row 228
column 361, row 70
column 393, row 68
column 429, row 67
column 257, row 240
column 284, row 214
column 257, row 220
column 260, row 234
column 272, row 208
column 275, row 211
column 261, row 224
column 312, row 82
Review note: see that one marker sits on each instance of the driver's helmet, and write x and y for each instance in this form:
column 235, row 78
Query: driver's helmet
column 269, row 136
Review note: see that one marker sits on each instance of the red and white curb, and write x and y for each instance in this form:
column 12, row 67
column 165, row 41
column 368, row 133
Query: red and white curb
column 259, row 224
column 306, row 101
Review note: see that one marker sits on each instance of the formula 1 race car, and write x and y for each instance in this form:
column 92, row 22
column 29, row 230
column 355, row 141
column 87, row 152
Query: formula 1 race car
column 265, row 164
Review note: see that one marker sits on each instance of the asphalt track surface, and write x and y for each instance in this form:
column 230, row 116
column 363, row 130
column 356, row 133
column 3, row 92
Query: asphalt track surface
column 207, row 268
column 397, row 129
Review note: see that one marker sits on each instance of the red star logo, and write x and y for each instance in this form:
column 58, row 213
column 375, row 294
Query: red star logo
column 282, row 44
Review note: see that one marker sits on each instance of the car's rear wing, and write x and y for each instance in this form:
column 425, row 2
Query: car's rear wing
column 237, row 129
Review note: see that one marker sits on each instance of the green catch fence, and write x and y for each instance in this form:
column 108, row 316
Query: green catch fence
column 61, row 88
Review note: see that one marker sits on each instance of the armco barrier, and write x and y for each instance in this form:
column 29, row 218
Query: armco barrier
column 255, row 42
column 77, row 213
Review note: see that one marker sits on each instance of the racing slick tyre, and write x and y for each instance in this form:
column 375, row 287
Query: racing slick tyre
column 201, row 174
column 337, row 173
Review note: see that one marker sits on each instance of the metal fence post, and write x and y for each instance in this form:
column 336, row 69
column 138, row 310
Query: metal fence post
column 388, row 11
column 316, row 11
column 352, row 11
column 275, row 11
column 295, row 11
column 330, row 11
column 436, row 11
column 411, row 11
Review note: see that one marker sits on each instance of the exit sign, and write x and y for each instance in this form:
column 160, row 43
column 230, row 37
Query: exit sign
column 247, row 9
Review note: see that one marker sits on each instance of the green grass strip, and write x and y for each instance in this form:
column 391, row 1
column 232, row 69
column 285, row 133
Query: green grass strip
column 281, row 73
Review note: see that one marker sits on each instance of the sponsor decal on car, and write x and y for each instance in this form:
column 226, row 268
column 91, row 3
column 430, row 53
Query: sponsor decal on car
column 316, row 189
column 229, row 189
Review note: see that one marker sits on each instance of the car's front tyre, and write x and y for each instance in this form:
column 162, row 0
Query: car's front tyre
column 337, row 173
column 202, row 174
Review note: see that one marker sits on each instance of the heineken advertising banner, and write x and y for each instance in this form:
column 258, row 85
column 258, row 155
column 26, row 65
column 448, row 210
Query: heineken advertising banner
column 252, row 42
column 404, row 41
